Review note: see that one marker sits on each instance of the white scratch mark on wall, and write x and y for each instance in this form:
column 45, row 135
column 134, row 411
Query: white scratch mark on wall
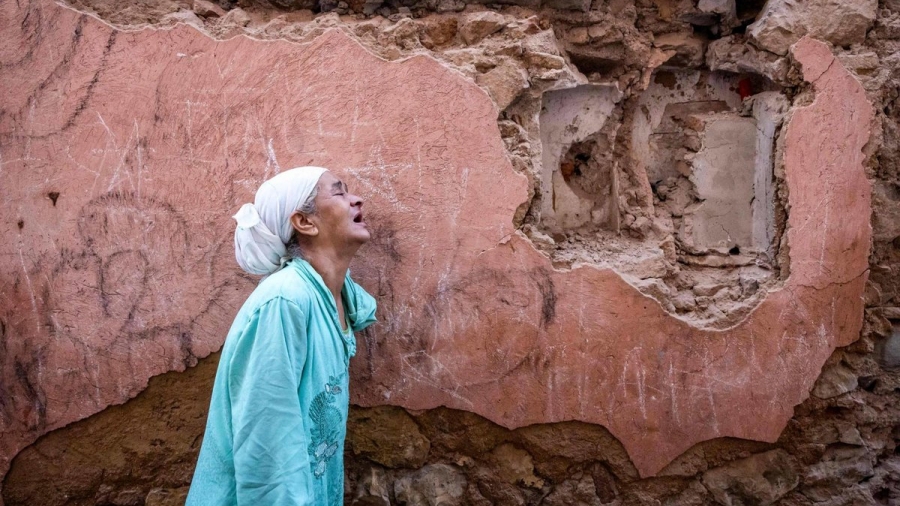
column 429, row 378
column 824, row 235
column 272, row 160
column 122, row 153
column 377, row 177
column 712, row 410
column 140, row 157
column 34, row 307
column 31, row 108
column 110, row 137
column 672, row 395
column 189, row 111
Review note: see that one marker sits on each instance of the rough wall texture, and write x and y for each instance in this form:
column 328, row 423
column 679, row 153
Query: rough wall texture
column 647, row 312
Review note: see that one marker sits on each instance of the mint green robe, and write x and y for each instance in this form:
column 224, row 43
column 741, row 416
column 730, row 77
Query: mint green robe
column 278, row 415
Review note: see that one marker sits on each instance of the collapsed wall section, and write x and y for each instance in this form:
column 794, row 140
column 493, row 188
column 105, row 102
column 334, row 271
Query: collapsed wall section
column 680, row 198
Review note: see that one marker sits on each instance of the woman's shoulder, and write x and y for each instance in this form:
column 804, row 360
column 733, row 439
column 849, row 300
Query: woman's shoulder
column 284, row 286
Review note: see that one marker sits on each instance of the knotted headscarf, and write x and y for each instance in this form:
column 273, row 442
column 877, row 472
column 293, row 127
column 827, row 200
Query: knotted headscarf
column 264, row 227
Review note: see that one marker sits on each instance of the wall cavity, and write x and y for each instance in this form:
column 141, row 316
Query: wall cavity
column 674, row 189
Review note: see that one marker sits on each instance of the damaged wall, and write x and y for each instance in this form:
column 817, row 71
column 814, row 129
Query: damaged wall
column 672, row 203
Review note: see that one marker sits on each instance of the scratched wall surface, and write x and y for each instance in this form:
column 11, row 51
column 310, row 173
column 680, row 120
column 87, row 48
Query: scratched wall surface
column 123, row 153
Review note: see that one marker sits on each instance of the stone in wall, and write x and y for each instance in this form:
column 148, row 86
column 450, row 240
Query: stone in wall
column 433, row 485
column 761, row 479
column 388, row 436
column 473, row 317
column 732, row 53
column 784, row 22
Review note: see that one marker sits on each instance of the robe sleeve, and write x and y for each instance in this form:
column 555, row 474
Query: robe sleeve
column 271, row 460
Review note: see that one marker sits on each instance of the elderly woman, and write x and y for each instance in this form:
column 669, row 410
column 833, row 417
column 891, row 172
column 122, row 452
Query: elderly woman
column 277, row 419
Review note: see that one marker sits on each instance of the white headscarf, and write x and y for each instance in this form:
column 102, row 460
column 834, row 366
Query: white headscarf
column 264, row 227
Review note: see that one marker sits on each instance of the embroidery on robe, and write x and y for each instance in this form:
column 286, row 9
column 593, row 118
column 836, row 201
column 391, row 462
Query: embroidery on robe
column 326, row 424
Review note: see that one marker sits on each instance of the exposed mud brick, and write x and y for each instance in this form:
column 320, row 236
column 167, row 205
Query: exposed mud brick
column 761, row 479
column 373, row 489
column 575, row 443
column 504, row 83
column 207, row 9
column 236, row 17
column 438, row 31
column 462, row 432
column 479, row 25
column 688, row 48
column 784, row 22
column 388, row 436
column 434, row 485
column 133, row 13
column 733, row 54
column 670, row 99
column 578, row 491
column 835, row 380
column 145, row 449
column 515, row 466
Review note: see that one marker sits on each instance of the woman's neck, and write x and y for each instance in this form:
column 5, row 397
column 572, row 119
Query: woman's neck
column 331, row 267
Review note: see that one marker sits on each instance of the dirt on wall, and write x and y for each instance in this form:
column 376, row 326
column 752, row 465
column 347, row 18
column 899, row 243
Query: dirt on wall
column 671, row 81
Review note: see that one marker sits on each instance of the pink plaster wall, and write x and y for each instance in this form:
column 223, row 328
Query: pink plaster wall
column 153, row 138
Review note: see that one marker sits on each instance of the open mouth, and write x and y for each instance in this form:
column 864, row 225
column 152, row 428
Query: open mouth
column 358, row 218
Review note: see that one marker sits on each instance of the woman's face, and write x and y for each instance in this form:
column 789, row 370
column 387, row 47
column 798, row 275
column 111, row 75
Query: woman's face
column 338, row 217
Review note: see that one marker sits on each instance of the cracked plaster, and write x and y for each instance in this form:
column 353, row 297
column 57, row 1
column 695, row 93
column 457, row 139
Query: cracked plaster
column 128, row 272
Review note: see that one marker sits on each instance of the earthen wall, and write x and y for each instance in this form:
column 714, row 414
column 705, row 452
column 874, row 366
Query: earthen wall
column 625, row 251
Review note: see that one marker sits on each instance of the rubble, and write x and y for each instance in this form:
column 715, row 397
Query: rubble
column 433, row 485
column 784, row 22
column 761, row 479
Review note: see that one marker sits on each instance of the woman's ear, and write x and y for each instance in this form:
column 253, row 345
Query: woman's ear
column 303, row 225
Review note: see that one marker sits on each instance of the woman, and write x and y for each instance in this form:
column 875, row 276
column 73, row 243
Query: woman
column 277, row 419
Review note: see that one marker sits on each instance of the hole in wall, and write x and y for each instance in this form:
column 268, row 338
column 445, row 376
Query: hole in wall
column 589, row 64
column 748, row 10
column 674, row 189
column 589, row 171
